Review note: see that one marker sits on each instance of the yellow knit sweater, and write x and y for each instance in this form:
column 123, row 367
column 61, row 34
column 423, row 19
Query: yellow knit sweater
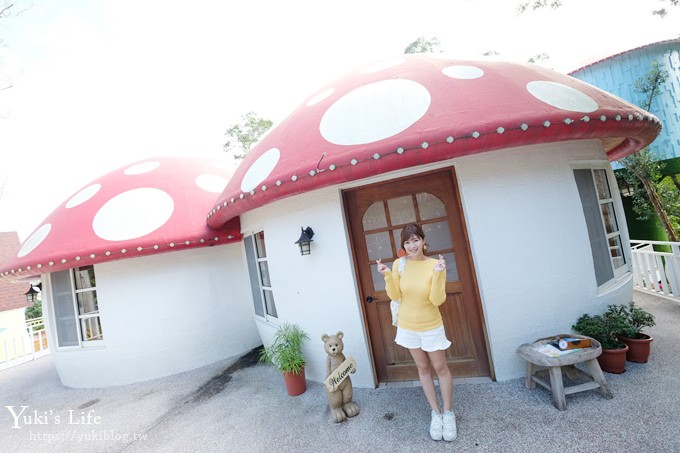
column 421, row 291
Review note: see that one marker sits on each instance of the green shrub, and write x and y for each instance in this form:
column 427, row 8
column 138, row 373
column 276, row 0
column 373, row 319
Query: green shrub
column 604, row 328
column 635, row 317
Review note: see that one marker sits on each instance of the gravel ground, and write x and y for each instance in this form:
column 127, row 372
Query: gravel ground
column 240, row 405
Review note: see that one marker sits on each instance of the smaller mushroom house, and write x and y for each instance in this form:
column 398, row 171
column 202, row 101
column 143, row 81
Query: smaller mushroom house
column 507, row 168
column 135, row 284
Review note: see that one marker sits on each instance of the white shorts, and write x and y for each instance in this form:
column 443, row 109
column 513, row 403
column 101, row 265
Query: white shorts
column 428, row 341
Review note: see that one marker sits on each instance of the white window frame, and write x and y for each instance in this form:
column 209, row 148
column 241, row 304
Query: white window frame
column 622, row 232
column 78, row 316
column 261, row 288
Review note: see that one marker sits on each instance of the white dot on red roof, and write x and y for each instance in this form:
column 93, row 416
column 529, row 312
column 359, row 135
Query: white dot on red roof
column 133, row 214
column 211, row 182
column 463, row 72
column 260, row 169
column 374, row 112
column 34, row 240
column 320, row 97
column 82, row 196
column 562, row 96
column 144, row 167
column 381, row 65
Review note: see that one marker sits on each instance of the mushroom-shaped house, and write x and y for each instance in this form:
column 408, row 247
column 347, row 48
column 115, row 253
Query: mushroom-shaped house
column 135, row 284
column 507, row 168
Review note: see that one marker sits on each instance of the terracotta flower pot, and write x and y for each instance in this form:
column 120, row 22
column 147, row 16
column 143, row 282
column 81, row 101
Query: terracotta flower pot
column 296, row 384
column 638, row 348
column 613, row 360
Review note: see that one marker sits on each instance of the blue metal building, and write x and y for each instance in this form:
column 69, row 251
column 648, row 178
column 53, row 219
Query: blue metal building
column 617, row 74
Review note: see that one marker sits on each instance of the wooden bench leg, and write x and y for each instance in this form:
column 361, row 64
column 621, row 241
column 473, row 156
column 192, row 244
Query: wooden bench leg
column 557, row 387
column 528, row 379
column 598, row 376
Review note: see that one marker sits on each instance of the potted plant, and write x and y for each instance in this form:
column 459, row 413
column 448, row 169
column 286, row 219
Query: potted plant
column 639, row 344
column 606, row 328
column 285, row 352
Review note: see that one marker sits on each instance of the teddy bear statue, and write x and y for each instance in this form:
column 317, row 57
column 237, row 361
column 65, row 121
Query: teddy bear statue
column 339, row 387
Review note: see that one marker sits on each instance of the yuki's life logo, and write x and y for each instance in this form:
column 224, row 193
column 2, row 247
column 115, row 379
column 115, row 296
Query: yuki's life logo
column 23, row 416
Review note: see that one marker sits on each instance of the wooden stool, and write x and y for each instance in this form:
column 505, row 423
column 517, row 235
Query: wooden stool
column 536, row 360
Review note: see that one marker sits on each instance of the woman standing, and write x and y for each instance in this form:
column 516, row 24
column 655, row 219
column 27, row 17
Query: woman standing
column 421, row 288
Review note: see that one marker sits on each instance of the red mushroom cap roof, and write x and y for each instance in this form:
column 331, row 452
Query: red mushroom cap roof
column 153, row 206
column 417, row 109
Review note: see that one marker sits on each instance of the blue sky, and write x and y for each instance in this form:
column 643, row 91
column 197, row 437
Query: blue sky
column 100, row 84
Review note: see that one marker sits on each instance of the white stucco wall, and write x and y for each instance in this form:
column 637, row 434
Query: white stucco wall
column 316, row 291
column 164, row 314
column 530, row 245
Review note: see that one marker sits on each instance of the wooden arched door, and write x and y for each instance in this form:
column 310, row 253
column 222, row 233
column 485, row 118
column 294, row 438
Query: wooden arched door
column 376, row 215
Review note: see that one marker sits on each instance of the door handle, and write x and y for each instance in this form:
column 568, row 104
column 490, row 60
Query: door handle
column 370, row 299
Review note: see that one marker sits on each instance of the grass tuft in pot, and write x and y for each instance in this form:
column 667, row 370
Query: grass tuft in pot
column 285, row 350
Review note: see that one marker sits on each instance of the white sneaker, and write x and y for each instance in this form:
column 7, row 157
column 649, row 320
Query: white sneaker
column 436, row 426
column 449, row 429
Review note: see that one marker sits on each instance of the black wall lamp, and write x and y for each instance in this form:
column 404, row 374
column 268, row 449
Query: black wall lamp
column 305, row 241
column 31, row 295
column 627, row 189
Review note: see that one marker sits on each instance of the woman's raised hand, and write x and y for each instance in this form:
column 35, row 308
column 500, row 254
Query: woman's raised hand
column 382, row 268
column 441, row 264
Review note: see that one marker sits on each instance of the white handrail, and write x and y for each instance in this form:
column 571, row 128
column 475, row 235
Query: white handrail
column 28, row 345
column 655, row 271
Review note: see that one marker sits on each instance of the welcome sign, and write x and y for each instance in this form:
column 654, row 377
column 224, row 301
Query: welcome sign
column 341, row 373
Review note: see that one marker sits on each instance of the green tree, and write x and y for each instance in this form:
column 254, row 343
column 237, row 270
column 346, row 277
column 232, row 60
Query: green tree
column 34, row 311
column 5, row 12
column 538, row 58
column 537, row 4
column 653, row 193
column 661, row 12
column 554, row 4
column 245, row 134
column 9, row 10
column 423, row 45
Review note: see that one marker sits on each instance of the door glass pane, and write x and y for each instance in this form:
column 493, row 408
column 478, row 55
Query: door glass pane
column 64, row 311
column 269, row 301
column 264, row 273
column 374, row 217
column 618, row 259
column 377, row 277
column 601, row 184
column 378, row 245
column 451, row 267
column 259, row 242
column 609, row 218
column 430, row 207
column 84, row 277
column 437, row 236
column 87, row 302
column 397, row 239
column 401, row 210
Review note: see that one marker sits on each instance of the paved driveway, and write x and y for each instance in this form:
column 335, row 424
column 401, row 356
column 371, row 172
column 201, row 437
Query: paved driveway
column 240, row 405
